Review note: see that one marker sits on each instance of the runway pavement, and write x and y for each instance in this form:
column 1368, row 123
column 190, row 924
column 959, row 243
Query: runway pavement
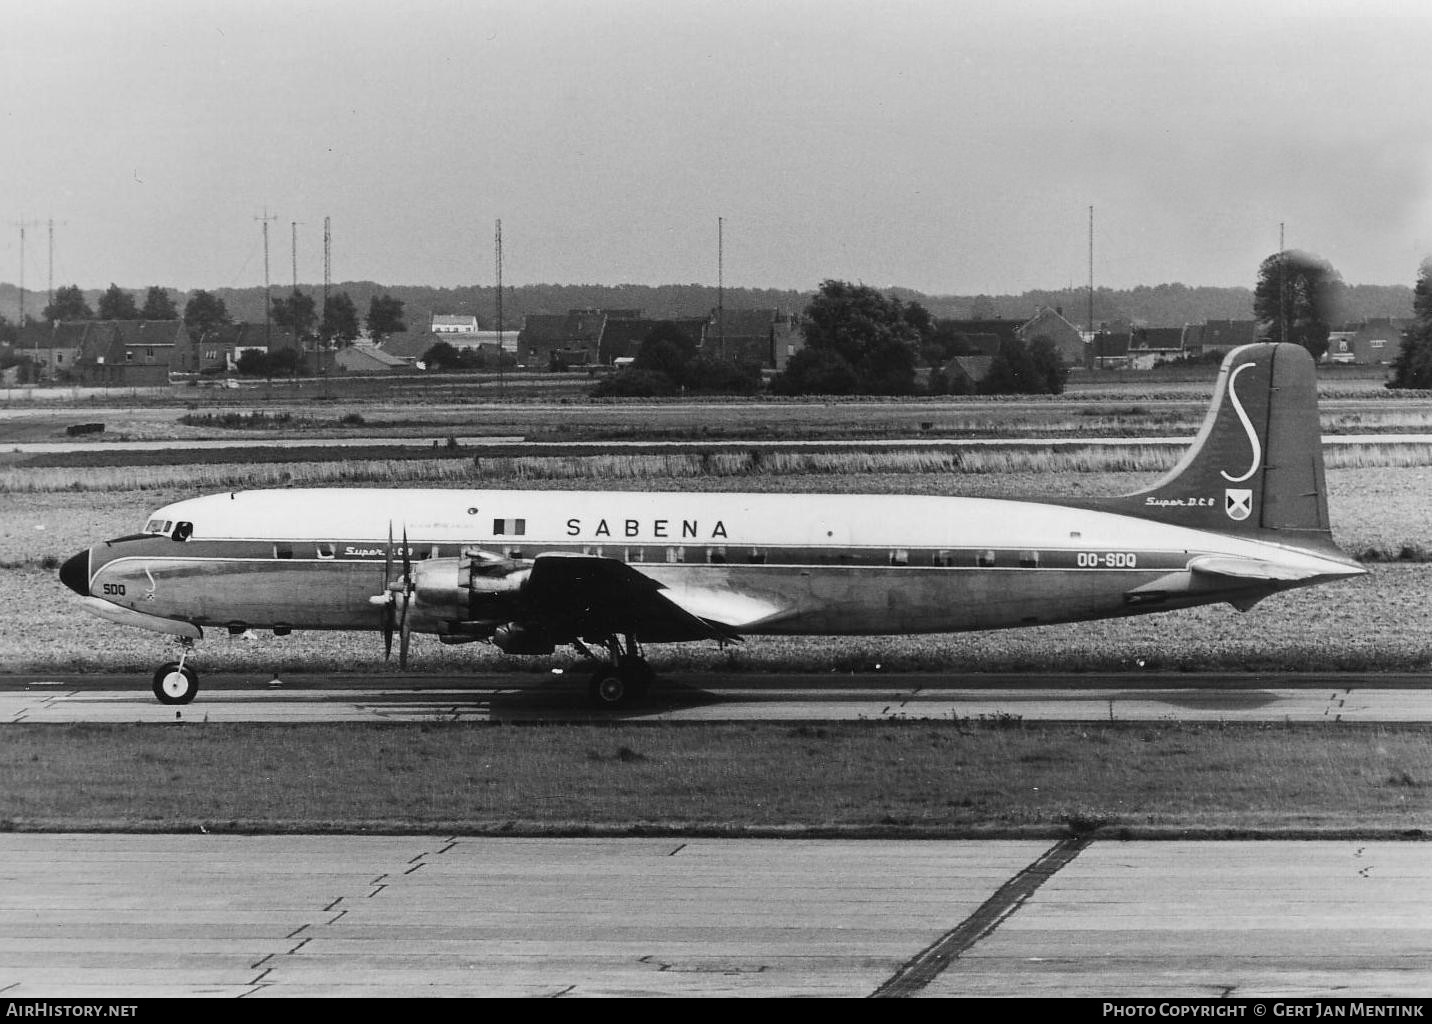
column 709, row 697
column 126, row 916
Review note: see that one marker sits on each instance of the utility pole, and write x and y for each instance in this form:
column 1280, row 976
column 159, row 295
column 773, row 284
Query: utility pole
column 268, row 317
column 327, row 273
column 293, row 226
column 22, row 225
column 1091, row 275
column 721, row 285
column 501, row 383
column 1282, row 287
column 52, row 258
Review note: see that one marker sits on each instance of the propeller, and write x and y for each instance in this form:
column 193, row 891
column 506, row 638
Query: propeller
column 395, row 593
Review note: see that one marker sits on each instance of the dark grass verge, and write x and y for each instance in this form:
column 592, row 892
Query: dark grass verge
column 968, row 778
column 525, row 829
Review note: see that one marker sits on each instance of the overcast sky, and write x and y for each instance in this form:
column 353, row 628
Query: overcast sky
column 943, row 145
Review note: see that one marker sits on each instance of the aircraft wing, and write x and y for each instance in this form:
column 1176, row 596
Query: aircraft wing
column 590, row 596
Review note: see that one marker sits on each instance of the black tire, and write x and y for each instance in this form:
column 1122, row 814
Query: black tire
column 638, row 675
column 175, row 685
column 609, row 689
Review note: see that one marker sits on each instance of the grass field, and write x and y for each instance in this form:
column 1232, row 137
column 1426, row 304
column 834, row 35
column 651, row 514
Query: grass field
column 959, row 777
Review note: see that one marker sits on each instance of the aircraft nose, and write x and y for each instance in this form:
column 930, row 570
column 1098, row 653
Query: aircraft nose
column 75, row 573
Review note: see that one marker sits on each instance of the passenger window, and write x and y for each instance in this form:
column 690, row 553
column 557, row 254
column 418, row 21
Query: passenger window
column 282, row 551
column 985, row 559
column 900, row 558
column 325, row 551
column 716, row 556
column 1029, row 559
column 757, row 557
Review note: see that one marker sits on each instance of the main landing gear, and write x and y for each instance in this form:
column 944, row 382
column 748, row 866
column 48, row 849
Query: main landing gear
column 623, row 680
column 174, row 681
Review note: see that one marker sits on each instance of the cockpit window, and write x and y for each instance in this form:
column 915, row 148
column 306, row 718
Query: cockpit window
column 182, row 531
column 154, row 526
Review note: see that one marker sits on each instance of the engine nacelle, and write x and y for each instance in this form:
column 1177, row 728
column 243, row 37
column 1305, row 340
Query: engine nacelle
column 515, row 639
column 465, row 590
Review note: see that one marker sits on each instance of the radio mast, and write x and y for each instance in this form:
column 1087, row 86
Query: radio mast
column 268, row 329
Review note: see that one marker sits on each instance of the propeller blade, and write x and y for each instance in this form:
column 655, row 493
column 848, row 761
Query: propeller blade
column 387, row 613
column 388, row 558
column 404, row 632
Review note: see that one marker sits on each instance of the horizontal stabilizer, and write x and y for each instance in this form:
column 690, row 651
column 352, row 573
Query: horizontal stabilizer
column 1252, row 569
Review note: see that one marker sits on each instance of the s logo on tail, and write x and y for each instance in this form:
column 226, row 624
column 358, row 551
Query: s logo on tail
column 1252, row 440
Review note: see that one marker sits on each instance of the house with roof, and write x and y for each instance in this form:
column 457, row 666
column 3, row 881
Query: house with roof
column 1149, row 346
column 1219, row 336
column 1340, row 345
column 1051, row 325
column 1110, row 348
column 410, row 346
column 1377, row 342
column 453, row 323
column 964, row 373
column 362, row 358
column 219, row 349
column 762, row 337
column 621, row 337
column 52, row 347
column 980, row 336
column 550, row 341
column 128, row 352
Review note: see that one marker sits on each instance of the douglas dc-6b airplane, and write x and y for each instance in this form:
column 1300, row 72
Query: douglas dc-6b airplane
column 1243, row 515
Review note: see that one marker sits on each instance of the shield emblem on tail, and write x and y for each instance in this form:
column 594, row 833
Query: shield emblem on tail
column 1238, row 503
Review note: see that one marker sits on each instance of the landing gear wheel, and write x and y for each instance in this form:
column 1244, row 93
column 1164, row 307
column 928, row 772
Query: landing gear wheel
column 638, row 675
column 175, row 683
column 609, row 688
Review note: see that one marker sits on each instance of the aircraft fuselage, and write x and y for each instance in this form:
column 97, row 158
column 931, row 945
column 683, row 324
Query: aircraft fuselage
column 763, row 564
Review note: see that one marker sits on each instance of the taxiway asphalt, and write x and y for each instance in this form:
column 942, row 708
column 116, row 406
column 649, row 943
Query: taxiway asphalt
column 710, row 697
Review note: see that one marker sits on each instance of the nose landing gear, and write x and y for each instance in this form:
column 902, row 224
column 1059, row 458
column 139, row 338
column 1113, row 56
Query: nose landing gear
column 174, row 681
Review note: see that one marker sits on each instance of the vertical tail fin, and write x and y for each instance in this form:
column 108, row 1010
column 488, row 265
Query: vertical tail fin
column 1256, row 466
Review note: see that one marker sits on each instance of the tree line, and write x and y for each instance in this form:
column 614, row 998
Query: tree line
column 204, row 311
